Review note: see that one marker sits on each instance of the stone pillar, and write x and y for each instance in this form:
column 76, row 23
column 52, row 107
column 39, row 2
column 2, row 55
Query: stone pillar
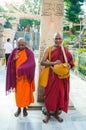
column 51, row 22
column 1, row 41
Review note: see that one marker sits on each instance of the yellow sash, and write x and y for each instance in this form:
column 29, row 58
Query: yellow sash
column 43, row 76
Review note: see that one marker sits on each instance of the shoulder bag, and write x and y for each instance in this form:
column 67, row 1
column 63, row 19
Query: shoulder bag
column 44, row 74
column 62, row 69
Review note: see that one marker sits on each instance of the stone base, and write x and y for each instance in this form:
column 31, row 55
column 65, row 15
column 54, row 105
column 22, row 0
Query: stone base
column 40, row 106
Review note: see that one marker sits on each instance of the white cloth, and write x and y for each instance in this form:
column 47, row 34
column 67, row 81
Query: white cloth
column 15, row 44
column 8, row 48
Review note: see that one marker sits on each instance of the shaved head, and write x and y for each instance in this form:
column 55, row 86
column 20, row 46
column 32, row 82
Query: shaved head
column 21, row 43
column 58, row 34
column 21, row 39
column 58, row 39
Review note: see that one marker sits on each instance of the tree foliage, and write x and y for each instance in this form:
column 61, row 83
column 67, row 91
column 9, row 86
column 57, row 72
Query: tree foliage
column 34, row 6
column 73, row 9
column 2, row 9
column 8, row 24
column 24, row 22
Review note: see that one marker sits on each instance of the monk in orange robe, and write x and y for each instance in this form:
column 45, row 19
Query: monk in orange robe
column 21, row 70
column 56, row 94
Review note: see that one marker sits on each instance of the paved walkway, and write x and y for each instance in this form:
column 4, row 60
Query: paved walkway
column 73, row 120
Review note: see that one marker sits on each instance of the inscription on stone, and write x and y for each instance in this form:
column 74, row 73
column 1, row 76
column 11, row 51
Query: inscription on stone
column 52, row 9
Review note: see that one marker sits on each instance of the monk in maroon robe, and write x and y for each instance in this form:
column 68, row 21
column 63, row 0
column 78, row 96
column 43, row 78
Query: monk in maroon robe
column 56, row 95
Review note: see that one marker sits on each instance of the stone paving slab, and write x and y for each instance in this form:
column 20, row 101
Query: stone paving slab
column 73, row 120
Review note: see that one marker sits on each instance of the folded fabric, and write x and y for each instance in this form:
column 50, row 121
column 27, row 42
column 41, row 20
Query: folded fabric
column 43, row 78
column 3, row 61
column 61, row 70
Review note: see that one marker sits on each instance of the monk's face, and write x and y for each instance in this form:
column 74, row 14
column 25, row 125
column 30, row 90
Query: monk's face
column 58, row 40
column 21, row 45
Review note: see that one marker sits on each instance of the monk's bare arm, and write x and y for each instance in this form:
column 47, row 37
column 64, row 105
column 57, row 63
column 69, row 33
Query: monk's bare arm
column 45, row 61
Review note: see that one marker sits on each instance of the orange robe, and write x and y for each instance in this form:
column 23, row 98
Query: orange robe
column 24, row 89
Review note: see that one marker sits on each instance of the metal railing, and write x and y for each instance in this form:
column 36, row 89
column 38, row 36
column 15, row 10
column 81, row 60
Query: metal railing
column 80, row 63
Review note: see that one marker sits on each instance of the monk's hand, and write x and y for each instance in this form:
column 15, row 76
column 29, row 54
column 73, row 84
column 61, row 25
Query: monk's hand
column 69, row 67
column 16, row 55
column 57, row 62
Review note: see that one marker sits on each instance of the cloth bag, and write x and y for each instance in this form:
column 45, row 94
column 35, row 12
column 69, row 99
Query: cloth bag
column 44, row 74
column 62, row 69
column 3, row 61
column 43, row 78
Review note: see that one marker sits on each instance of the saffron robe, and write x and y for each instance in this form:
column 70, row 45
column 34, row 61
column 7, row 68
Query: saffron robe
column 24, row 88
column 56, row 94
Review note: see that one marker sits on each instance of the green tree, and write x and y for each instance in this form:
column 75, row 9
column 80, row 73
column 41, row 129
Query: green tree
column 73, row 9
column 34, row 6
column 2, row 9
column 24, row 22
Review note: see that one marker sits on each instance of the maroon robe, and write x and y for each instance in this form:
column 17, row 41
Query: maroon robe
column 56, row 95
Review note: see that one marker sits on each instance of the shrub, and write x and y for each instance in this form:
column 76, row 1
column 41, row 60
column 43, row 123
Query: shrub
column 84, row 39
column 81, row 50
column 73, row 30
column 66, row 42
column 73, row 37
column 82, row 69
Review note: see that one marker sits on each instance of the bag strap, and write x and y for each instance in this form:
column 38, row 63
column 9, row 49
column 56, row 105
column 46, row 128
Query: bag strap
column 63, row 51
column 64, row 54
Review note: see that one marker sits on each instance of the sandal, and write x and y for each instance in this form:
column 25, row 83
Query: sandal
column 18, row 112
column 25, row 113
column 46, row 119
column 59, row 118
column 59, row 112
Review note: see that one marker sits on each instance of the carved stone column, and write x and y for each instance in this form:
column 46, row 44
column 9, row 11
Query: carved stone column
column 51, row 22
column 1, row 41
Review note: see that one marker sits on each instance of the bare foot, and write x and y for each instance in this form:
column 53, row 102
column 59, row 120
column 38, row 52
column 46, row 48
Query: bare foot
column 46, row 119
column 59, row 112
column 25, row 113
column 17, row 113
column 59, row 118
